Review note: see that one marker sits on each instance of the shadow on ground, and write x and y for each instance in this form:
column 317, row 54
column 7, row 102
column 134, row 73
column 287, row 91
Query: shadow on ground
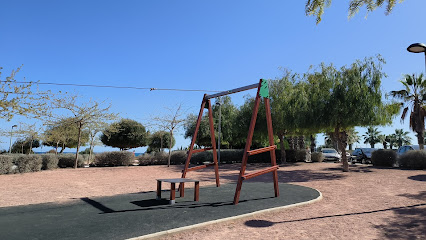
column 414, row 219
column 421, row 177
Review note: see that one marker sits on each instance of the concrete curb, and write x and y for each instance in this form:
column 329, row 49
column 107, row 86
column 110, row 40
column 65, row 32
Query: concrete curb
column 199, row 225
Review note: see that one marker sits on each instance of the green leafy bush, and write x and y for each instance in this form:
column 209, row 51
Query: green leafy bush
column 6, row 164
column 117, row 158
column 50, row 161
column 317, row 157
column 28, row 163
column 383, row 158
column 155, row 158
column 415, row 159
column 178, row 157
column 68, row 160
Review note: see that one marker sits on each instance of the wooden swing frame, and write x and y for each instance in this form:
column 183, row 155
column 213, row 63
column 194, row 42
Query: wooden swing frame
column 262, row 91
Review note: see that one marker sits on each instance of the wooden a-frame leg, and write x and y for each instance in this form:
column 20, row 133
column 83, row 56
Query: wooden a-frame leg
column 271, row 142
column 247, row 147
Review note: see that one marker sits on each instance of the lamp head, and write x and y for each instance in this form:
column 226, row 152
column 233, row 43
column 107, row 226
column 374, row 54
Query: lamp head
column 417, row 48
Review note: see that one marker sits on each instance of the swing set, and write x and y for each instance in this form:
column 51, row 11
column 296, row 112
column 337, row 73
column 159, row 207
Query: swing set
column 262, row 91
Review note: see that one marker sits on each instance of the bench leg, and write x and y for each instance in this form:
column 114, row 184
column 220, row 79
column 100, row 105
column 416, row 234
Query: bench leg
column 197, row 191
column 182, row 190
column 172, row 193
column 158, row 190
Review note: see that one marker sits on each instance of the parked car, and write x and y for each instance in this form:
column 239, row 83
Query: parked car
column 330, row 154
column 406, row 148
column 362, row 155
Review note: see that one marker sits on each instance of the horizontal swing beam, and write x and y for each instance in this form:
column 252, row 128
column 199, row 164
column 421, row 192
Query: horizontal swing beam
column 224, row 93
column 199, row 167
column 261, row 150
column 200, row 150
column 261, row 172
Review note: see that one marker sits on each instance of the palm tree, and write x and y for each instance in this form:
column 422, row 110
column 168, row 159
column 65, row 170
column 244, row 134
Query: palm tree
column 413, row 96
column 352, row 137
column 371, row 136
column 401, row 137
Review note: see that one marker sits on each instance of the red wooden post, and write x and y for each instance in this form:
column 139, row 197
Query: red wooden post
column 197, row 191
column 248, row 145
column 158, row 190
column 213, row 139
column 271, row 142
column 191, row 147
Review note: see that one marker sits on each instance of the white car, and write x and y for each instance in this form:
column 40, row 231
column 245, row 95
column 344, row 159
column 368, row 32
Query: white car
column 330, row 154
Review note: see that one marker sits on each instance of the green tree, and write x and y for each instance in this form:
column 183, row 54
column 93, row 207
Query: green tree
column 401, row 137
column 317, row 7
column 83, row 114
column 413, row 97
column 25, row 145
column 288, row 101
column 160, row 140
column 63, row 134
column 203, row 135
column 372, row 136
column 125, row 134
column 228, row 112
column 354, row 99
column 352, row 137
column 171, row 122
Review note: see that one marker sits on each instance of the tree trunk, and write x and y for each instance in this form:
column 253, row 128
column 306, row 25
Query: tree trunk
column 350, row 146
column 282, row 148
column 63, row 148
column 170, row 148
column 372, row 145
column 313, row 145
column 421, row 139
column 301, row 142
column 342, row 139
column 78, row 145
column 31, row 147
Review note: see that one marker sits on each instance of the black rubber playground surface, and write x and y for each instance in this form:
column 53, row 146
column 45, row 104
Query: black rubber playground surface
column 132, row 215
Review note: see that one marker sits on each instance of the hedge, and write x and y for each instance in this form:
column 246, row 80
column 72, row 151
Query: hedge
column 415, row 159
column 68, row 160
column 317, row 157
column 226, row 156
column 384, row 158
column 117, row 158
column 6, row 164
column 49, row 161
column 28, row 163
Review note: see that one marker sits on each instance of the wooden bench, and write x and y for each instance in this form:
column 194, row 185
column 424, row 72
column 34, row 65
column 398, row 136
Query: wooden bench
column 173, row 182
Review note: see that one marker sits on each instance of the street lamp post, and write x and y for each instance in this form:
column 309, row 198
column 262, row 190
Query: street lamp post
column 219, row 130
column 418, row 48
column 10, row 144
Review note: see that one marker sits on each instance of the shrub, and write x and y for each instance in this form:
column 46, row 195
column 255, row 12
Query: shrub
column 117, row 158
column 383, row 158
column 52, row 151
column 68, row 160
column 415, row 159
column 28, row 163
column 178, row 157
column 300, row 155
column 49, row 161
column 317, row 157
column 290, row 155
column 6, row 164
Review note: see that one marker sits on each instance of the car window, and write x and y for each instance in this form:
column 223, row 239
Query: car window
column 329, row 151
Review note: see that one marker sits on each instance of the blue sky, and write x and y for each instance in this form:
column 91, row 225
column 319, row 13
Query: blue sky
column 209, row 45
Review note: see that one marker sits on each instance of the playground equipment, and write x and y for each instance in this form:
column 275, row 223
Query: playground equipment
column 262, row 91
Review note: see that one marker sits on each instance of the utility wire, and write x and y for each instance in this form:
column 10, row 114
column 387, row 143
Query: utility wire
column 119, row 87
